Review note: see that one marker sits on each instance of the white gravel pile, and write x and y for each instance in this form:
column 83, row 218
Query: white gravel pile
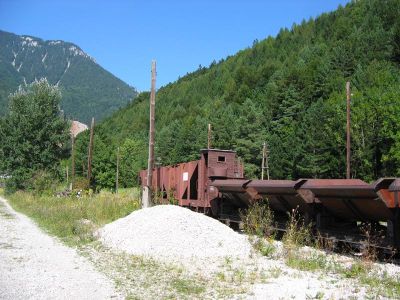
column 171, row 231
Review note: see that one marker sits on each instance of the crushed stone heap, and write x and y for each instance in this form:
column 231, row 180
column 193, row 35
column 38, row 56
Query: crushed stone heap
column 171, row 231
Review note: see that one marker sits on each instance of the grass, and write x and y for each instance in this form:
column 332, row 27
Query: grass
column 187, row 287
column 75, row 219
column 264, row 246
column 361, row 270
column 306, row 263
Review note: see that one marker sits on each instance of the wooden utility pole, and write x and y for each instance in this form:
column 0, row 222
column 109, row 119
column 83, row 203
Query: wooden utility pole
column 72, row 161
column 348, row 147
column 209, row 137
column 90, row 155
column 264, row 163
column 146, row 199
column 117, row 175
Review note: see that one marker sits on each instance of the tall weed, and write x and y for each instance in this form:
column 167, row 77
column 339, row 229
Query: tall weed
column 297, row 233
column 258, row 219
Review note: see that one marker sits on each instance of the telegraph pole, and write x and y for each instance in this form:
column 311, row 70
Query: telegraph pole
column 117, row 174
column 90, row 156
column 146, row 197
column 264, row 162
column 72, row 161
column 348, row 146
column 209, row 137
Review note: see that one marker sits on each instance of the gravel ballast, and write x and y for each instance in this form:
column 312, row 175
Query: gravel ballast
column 170, row 231
column 34, row 265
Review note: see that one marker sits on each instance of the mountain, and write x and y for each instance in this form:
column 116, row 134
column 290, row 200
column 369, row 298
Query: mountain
column 289, row 91
column 87, row 89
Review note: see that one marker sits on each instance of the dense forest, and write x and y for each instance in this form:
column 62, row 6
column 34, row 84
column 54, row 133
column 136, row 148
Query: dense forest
column 287, row 90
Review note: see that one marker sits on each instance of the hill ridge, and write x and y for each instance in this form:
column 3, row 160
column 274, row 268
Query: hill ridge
column 87, row 88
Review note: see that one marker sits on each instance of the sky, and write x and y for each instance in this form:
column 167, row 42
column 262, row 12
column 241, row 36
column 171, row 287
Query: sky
column 125, row 36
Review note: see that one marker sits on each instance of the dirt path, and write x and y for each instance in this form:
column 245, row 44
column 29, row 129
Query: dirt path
column 35, row 265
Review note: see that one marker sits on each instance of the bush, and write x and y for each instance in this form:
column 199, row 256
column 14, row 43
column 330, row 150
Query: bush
column 258, row 219
column 42, row 183
column 81, row 183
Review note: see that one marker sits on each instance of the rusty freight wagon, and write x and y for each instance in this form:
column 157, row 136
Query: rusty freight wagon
column 337, row 208
column 189, row 183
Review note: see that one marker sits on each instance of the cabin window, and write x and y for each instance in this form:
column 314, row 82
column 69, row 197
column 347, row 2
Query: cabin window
column 221, row 158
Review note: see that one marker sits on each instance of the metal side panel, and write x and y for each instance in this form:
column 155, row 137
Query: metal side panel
column 282, row 195
column 349, row 199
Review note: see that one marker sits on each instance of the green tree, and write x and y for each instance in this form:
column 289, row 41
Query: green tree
column 133, row 155
column 33, row 133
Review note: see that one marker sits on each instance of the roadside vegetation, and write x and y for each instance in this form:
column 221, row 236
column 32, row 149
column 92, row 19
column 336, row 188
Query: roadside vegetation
column 75, row 219
column 299, row 250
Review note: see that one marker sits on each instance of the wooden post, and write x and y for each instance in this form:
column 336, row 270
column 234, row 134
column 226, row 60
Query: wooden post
column 348, row 147
column 72, row 161
column 146, row 199
column 264, row 162
column 117, row 175
column 90, row 155
column 209, row 137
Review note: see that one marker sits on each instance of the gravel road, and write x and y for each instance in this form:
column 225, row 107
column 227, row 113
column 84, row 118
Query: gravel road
column 34, row 265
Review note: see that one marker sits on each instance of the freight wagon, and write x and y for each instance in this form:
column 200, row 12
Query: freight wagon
column 337, row 208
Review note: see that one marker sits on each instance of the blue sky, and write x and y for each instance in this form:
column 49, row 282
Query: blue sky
column 124, row 36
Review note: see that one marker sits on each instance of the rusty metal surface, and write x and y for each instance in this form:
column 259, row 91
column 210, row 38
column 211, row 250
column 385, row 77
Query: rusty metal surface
column 350, row 199
column 274, row 187
column 230, row 185
column 282, row 195
column 382, row 188
column 189, row 183
column 234, row 190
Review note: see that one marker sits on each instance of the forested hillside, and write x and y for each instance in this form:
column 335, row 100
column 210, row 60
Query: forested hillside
column 287, row 90
column 88, row 90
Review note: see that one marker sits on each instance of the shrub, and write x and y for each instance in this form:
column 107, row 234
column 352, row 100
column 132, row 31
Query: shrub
column 42, row 182
column 81, row 183
column 258, row 219
column 297, row 233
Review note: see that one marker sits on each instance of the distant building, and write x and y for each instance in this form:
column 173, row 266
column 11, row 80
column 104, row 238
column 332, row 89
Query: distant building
column 77, row 127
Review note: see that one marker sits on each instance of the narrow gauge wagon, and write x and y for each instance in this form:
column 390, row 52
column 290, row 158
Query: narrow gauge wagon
column 190, row 183
column 337, row 208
